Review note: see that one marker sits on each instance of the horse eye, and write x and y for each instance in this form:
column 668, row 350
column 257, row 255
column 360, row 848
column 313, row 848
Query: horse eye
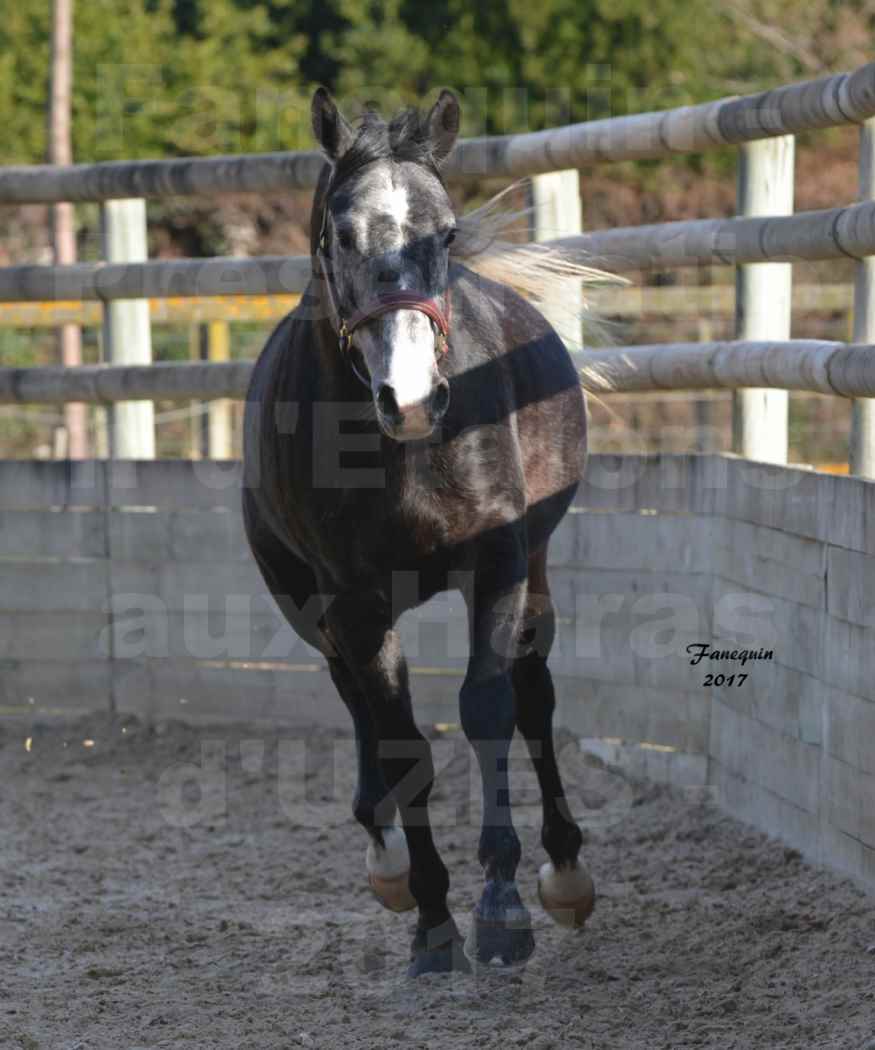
column 450, row 237
column 344, row 239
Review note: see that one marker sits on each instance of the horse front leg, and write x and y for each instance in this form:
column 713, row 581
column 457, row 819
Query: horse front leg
column 387, row 860
column 501, row 923
column 362, row 631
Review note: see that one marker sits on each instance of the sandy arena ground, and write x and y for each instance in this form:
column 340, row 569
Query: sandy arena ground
column 138, row 910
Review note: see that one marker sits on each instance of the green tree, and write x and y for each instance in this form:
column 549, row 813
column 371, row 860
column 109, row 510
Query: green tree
column 170, row 77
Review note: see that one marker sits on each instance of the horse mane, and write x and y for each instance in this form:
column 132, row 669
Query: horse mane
column 493, row 241
column 403, row 138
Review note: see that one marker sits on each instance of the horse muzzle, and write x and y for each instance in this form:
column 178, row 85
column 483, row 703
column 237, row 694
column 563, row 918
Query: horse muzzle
column 414, row 420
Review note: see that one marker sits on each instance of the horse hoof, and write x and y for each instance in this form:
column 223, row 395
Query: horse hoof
column 438, row 950
column 449, row 958
column 389, row 871
column 567, row 895
column 487, row 941
column 501, row 926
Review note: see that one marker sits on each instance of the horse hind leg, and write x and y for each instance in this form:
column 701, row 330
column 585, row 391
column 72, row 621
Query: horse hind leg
column 565, row 887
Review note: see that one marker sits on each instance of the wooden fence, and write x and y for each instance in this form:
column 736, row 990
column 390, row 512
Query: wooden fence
column 129, row 587
column 758, row 242
column 843, row 98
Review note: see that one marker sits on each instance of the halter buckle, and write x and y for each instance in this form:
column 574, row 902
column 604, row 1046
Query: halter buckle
column 344, row 340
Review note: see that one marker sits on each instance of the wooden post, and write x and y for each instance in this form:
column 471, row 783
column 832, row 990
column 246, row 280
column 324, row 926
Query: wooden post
column 127, row 336
column 63, row 216
column 219, row 443
column 555, row 200
column 763, row 300
column 702, row 407
column 196, row 440
column 862, row 457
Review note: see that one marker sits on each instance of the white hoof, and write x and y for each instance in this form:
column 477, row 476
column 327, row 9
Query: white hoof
column 389, row 870
column 567, row 895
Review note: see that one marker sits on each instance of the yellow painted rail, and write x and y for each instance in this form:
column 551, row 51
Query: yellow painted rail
column 680, row 301
column 267, row 308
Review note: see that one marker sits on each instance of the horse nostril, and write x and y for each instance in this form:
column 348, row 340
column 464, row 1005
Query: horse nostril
column 387, row 402
column 388, row 276
column 440, row 401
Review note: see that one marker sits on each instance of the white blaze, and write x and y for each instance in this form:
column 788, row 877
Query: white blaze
column 396, row 204
column 410, row 361
column 407, row 350
column 390, row 200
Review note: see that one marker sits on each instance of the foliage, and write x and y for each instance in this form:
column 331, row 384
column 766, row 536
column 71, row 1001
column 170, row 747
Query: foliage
column 171, row 77
column 151, row 77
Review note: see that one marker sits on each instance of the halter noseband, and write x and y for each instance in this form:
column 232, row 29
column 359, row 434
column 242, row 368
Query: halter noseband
column 382, row 304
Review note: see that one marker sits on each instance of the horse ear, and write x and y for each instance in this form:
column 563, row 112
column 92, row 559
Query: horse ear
column 443, row 124
column 332, row 131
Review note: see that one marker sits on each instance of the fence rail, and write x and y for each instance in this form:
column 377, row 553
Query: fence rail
column 107, row 384
column 833, row 233
column 630, row 302
column 843, row 98
column 196, row 310
column 799, row 364
column 177, row 278
column 830, row 233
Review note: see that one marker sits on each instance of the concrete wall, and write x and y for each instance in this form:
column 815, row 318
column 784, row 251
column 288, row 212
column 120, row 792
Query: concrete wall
column 129, row 586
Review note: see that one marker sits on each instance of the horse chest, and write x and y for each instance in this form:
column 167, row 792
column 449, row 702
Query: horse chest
column 406, row 527
column 390, row 531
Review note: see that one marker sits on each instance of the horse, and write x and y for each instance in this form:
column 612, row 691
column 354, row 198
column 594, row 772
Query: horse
column 413, row 420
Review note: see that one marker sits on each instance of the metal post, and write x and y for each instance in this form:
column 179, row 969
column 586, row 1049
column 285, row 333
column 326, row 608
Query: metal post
column 219, row 412
column 555, row 200
column 763, row 297
column 127, row 336
column 862, row 458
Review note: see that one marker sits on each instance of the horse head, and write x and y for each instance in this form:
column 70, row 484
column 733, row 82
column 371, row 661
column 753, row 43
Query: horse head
column 382, row 239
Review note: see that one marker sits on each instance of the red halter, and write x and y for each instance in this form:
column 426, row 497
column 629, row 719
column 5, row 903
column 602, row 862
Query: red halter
column 389, row 301
column 382, row 304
